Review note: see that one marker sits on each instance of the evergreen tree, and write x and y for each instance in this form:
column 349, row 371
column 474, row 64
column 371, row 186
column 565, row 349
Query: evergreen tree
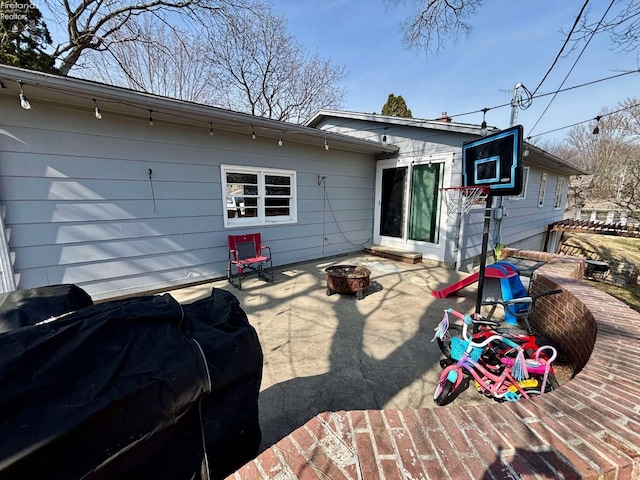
column 23, row 37
column 396, row 107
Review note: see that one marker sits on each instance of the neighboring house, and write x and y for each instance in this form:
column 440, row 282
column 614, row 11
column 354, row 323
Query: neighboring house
column 143, row 198
column 119, row 206
column 408, row 213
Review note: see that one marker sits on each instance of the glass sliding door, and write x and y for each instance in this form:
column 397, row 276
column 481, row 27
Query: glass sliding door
column 423, row 215
column 392, row 202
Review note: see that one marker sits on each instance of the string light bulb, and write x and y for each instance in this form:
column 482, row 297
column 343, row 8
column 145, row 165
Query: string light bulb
column 211, row 128
column 24, row 102
column 96, row 110
column 280, row 141
column 596, row 130
column 253, row 133
column 525, row 153
column 384, row 137
column 151, row 117
column 483, row 125
column 326, row 145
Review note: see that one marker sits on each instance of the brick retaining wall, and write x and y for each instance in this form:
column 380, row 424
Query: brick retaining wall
column 589, row 428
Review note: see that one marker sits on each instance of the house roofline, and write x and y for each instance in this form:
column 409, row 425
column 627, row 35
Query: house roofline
column 52, row 87
column 544, row 158
column 563, row 166
column 467, row 128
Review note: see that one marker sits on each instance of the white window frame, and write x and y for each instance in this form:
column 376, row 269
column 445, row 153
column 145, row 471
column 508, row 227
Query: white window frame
column 557, row 202
column 543, row 187
column 261, row 219
column 525, row 182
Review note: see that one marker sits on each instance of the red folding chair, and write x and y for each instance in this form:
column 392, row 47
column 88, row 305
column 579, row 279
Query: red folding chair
column 246, row 252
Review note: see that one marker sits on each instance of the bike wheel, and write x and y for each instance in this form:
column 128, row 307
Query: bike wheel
column 443, row 390
column 444, row 343
column 446, row 391
column 552, row 383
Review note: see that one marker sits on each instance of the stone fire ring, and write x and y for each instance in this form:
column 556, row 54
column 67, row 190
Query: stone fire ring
column 347, row 279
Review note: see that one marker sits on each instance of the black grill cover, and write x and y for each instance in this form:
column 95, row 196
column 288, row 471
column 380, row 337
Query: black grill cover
column 33, row 305
column 129, row 389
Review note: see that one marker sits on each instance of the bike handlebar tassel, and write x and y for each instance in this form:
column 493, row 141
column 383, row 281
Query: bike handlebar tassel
column 442, row 327
column 519, row 366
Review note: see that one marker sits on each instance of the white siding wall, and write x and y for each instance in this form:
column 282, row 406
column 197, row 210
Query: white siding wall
column 78, row 208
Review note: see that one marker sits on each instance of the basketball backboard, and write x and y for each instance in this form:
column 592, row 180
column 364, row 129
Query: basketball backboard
column 494, row 161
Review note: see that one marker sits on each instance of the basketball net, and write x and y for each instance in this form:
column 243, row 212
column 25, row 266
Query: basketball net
column 461, row 199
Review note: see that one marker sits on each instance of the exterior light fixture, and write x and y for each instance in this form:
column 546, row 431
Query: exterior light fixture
column 151, row 117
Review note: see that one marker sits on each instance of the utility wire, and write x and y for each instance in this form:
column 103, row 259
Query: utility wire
column 585, row 121
column 593, row 33
column 566, row 42
column 379, row 129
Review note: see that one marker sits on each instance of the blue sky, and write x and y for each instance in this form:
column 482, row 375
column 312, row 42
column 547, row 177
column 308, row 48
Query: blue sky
column 512, row 41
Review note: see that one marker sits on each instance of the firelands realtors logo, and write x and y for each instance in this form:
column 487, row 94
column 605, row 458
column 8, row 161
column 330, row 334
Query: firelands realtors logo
column 18, row 14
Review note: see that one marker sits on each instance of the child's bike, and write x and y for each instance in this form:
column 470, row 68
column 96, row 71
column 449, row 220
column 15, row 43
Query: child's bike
column 507, row 379
column 483, row 328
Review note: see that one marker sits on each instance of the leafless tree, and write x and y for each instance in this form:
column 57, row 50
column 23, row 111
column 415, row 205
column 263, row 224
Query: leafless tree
column 264, row 71
column 435, row 21
column 248, row 63
column 611, row 156
column 165, row 60
column 93, row 25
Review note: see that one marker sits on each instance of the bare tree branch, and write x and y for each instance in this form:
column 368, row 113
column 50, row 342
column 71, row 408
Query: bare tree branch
column 91, row 23
column 436, row 21
column 266, row 72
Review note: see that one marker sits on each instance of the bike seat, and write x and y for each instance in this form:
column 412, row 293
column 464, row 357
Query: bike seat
column 485, row 321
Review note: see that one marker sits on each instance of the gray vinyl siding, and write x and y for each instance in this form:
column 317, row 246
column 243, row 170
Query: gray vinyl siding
column 525, row 220
column 416, row 145
column 525, row 224
column 78, row 206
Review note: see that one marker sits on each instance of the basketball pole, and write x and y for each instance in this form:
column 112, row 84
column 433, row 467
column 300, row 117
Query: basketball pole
column 483, row 254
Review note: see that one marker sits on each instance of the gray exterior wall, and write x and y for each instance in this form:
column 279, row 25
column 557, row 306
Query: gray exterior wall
column 524, row 225
column 78, row 208
column 417, row 145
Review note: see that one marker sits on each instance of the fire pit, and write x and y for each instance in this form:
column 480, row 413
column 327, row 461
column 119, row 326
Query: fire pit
column 347, row 279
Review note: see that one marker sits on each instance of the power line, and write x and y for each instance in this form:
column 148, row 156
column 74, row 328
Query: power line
column 575, row 24
column 593, row 33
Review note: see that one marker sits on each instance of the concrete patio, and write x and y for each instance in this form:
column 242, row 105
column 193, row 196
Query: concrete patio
column 329, row 353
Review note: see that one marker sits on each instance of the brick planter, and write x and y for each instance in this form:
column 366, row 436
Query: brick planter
column 589, row 428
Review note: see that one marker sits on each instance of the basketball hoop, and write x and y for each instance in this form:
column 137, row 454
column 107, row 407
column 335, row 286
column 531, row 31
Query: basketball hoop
column 461, row 199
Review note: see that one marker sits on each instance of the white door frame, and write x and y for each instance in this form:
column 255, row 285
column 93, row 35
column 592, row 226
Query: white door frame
column 7, row 280
column 381, row 165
